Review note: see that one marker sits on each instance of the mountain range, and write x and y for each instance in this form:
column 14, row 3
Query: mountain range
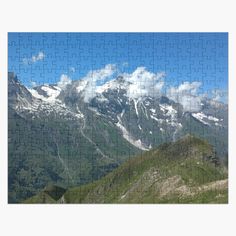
column 74, row 133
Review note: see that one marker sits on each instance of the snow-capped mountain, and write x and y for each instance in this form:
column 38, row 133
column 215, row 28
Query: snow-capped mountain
column 144, row 121
column 79, row 131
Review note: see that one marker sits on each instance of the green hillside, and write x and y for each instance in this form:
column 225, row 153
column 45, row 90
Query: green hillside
column 55, row 151
column 186, row 171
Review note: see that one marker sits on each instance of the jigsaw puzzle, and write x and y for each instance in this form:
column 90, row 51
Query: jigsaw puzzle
column 117, row 118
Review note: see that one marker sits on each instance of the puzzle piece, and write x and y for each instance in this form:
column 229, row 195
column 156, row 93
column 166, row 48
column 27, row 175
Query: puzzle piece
column 118, row 117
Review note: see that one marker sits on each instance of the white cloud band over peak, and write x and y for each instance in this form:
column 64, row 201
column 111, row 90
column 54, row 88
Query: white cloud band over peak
column 95, row 77
column 144, row 83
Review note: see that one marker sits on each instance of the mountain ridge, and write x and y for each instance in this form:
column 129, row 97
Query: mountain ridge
column 185, row 171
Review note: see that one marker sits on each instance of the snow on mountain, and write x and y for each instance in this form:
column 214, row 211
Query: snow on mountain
column 160, row 121
column 51, row 93
column 213, row 118
column 137, row 143
column 200, row 116
column 42, row 102
column 139, row 117
column 206, row 119
column 118, row 83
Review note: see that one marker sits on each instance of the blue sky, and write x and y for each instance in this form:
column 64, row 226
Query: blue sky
column 44, row 57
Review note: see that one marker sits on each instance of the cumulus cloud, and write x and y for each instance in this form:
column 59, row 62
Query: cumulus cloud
column 187, row 95
column 97, row 77
column 64, row 81
column 144, row 83
column 39, row 57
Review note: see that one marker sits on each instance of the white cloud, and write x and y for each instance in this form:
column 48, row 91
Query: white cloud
column 101, row 74
column 39, row 57
column 33, row 84
column 96, row 77
column 64, row 81
column 144, row 83
column 72, row 69
column 187, row 95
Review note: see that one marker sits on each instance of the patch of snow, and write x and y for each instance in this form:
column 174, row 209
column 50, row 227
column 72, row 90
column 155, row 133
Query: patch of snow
column 217, row 124
column 50, row 105
column 150, row 132
column 162, row 108
column 122, row 113
column 153, row 110
column 136, row 105
column 103, row 88
column 95, row 110
column 52, row 93
column 35, row 94
column 111, row 84
column 140, row 127
column 145, row 110
column 79, row 114
column 200, row 116
column 169, row 111
column 23, row 103
column 154, row 118
column 128, row 137
column 213, row 118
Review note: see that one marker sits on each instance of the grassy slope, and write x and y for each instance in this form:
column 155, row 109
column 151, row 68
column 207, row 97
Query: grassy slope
column 174, row 173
